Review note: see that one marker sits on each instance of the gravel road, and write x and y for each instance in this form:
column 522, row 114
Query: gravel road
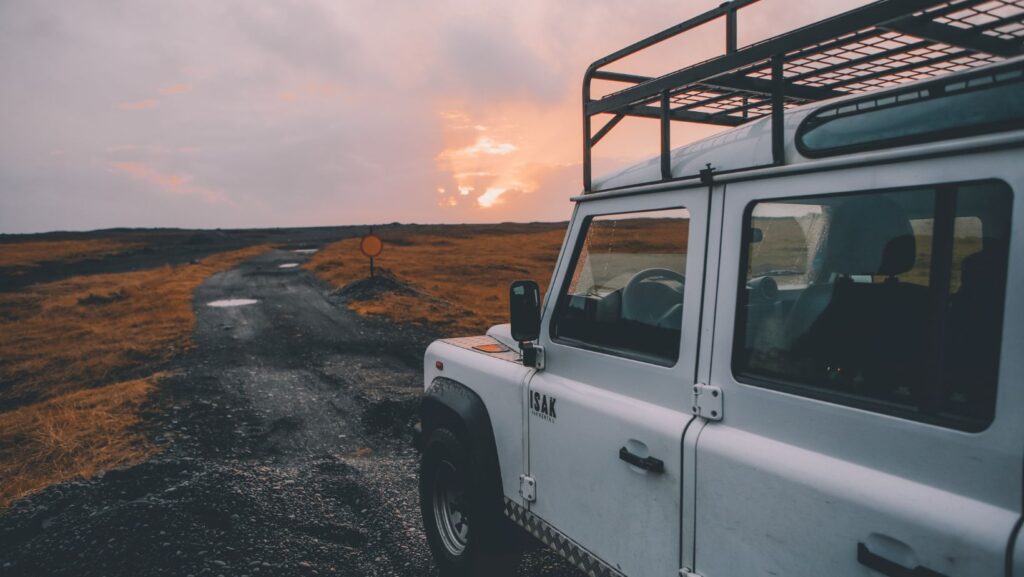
column 286, row 452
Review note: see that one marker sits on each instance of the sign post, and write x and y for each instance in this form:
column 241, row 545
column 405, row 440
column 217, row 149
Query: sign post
column 371, row 246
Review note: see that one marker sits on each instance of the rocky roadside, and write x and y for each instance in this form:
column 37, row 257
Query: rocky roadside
column 286, row 452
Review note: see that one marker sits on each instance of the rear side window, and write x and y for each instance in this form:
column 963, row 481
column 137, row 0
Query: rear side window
column 888, row 300
column 624, row 294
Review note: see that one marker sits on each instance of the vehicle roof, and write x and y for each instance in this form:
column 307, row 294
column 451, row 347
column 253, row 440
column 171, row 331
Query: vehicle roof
column 748, row 145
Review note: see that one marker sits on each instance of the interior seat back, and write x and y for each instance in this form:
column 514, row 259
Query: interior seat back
column 863, row 334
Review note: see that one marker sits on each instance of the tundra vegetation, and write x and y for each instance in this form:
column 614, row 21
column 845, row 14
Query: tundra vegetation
column 453, row 279
column 80, row 356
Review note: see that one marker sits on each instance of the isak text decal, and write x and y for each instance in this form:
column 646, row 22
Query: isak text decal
column 543, row 406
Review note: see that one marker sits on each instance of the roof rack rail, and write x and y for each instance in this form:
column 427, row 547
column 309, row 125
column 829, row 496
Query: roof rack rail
column 882, row 44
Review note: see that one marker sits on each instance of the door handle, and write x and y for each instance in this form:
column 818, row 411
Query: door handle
column 886, row 567
column 647, row 463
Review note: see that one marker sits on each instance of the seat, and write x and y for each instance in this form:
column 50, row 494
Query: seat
column 864, row 337
column 975, row 329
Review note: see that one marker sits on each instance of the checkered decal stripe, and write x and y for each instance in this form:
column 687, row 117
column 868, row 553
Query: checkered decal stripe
column 561, row 544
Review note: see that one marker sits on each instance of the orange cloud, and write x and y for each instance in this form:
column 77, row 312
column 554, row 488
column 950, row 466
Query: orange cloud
column 486, row 159
column 455, row 118
column 176, row 89
column 180, row 184
column 139, row 104
column 482, row 146
column 490, row 197
column 485, row 145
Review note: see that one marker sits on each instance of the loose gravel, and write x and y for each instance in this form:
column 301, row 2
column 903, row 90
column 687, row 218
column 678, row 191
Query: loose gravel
column 285, row 452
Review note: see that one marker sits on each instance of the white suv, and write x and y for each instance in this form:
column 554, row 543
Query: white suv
column 790, row 349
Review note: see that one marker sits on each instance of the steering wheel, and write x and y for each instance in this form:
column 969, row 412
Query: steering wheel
column 650, row 302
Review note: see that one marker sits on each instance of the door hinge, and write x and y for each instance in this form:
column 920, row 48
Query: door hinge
column 528, row 488
column 533, row 355
column 707, row 402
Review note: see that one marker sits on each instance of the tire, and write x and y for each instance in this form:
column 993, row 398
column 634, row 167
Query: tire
column 460, row 517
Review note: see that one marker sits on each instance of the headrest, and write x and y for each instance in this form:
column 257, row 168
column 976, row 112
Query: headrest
column 869, row 235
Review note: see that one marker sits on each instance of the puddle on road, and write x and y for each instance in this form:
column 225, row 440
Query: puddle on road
column 305, row 250
column 232, row 303
column 288, row 265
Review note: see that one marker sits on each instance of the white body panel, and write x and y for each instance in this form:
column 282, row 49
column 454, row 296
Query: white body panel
column 790, row 485
column 627, row 516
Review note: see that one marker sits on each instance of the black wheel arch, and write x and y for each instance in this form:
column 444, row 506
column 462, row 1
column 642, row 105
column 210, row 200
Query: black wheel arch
column 452, row 405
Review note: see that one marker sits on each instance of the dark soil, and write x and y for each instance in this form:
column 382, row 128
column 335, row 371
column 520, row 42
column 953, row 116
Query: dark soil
column 373, row 287
column 286, row 450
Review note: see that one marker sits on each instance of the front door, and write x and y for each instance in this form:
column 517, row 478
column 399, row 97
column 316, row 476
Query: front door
column 871, row 421
column 607, row 415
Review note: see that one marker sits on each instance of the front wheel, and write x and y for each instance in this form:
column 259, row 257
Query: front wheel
column 456, row 517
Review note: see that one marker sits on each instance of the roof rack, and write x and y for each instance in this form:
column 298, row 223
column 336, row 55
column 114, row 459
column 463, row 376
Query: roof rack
column 882, row 44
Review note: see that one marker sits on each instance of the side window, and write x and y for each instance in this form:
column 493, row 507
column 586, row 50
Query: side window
column 624, row 294
column 890, row 300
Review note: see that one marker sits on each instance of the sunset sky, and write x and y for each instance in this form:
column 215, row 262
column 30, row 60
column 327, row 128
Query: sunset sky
column 257, row 113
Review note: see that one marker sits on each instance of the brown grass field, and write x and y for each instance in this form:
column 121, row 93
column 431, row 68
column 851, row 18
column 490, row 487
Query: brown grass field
column 74, row 435
column 70, row 353
column 461, row 272
column 31, row 253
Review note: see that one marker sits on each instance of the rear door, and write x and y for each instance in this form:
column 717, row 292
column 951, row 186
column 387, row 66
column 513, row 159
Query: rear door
column 872, row 408
column 607, row 414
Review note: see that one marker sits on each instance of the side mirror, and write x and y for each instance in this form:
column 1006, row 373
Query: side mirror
column 524, row 310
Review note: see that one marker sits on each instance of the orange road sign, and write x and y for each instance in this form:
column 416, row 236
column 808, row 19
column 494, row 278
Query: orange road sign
column 371, row 245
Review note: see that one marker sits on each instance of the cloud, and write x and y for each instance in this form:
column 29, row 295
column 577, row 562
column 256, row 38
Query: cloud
column 489, row 146
column 313, row 89
column 176, row 89
column 495, row 176
column 482, row 146
column 313, row 112
column 146, row 104
column 150, row 103
column 179, row 184
column 490, row 197
column 493, row 62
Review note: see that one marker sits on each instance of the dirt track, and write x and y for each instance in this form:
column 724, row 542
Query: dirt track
column 286, row 452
